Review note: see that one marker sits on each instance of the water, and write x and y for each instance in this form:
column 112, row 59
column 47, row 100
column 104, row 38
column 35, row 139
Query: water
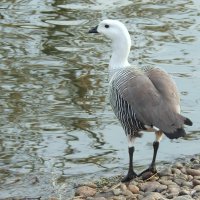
column 57, row 127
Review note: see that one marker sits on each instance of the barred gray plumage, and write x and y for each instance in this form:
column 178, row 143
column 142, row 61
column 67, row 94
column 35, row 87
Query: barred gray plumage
column 122, row 109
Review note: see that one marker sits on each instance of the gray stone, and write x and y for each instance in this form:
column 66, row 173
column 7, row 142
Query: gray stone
column 179, row 181
column 174, row 190
column 179, row 165
column 184, row 197
column 127, row 193
column 188, row 184
column 119, row 198
column 183, row 170
column 153, row 196
column 166, row 182
column 85, row 191
column 184, row 192
column 189, row 177
column 196, row 196
column 176, row 171
column 123, row 187
column 197, row 177
column 165, row 172
column 196, row 182
column 197, row 188
column 99, row 198
column 193, row 172
column 153, row 187
column 117, row 192
column 134, row 189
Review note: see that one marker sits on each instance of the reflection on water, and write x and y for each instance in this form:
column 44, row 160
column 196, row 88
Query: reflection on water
column 56, row 124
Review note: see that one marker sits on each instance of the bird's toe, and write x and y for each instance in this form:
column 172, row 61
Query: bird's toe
column 129, row 177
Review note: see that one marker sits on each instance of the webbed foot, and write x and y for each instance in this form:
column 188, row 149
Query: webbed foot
column 131, row 175
column 148, row 173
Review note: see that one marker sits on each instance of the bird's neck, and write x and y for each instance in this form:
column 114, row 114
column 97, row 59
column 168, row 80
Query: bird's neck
column 120, row 53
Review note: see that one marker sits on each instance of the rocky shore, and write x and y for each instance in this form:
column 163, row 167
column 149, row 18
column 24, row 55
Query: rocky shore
column 180, row 181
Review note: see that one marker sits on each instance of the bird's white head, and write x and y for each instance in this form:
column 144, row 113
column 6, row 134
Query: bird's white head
column 121, row 41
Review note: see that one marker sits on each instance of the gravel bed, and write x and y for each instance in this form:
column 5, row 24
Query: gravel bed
column 180, row 181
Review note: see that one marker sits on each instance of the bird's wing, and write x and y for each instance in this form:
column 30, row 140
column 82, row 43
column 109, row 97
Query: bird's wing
column 153, row 96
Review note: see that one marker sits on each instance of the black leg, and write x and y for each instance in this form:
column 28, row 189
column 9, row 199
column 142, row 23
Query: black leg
column 152, row 168
column 155, row 148
column 131, row 174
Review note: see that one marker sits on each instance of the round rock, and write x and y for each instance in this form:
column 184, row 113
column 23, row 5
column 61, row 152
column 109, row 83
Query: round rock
column 85, row 191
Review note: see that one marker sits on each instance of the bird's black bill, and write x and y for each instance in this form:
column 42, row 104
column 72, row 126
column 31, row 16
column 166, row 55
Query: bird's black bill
column 93, row 30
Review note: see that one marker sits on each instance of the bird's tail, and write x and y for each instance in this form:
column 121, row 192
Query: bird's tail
column 179, row 132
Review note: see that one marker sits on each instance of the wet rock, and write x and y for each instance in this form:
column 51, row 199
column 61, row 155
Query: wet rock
column 134, row 189
column 123, row 187
column 194, row 161
column 179, row 165
column 165, row 172
column 85, row 191
column 117, row 192
column 153, row 187
column 185, row 197
column 153, row 196
column 92, row 185
column 176, row 171
column 193, row 172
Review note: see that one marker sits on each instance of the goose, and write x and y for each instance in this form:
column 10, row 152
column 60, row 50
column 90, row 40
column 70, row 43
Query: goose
column 142, row 98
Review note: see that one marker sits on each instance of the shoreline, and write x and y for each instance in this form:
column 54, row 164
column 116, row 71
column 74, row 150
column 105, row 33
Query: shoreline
column 177, row 181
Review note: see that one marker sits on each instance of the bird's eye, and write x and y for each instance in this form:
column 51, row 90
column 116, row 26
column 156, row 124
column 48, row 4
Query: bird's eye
column 106, row 26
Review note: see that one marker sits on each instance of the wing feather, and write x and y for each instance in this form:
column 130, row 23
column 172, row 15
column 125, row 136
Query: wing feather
column 152, row 94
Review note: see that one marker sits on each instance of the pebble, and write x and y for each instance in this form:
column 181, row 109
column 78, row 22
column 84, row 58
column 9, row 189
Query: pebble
column 123, row 187
column 197, row 188
column 119, row 198
column 184, row 192
column 184, row 197
column 85, row 191
column 174, row 190
column 152, row 187
column 193, row 172
column 134, row 189
column 127, row 193
column 178, row 165
column 176, row 171
column 153, row 196
column 196, row 182
column 117, row 192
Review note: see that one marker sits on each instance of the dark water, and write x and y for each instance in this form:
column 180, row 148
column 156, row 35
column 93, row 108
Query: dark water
column 57, row 127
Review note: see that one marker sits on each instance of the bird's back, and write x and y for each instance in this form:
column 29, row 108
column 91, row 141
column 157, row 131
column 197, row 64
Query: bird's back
column 151, row 94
